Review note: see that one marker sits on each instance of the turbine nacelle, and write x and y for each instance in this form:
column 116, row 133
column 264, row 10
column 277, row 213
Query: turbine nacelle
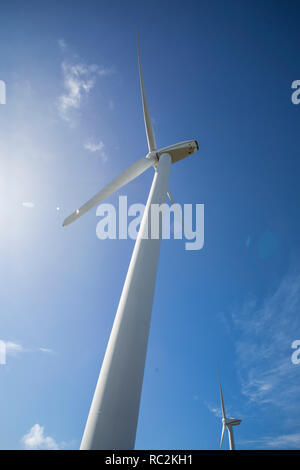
column 178, row 151
column 234, row 422
column 231, row 421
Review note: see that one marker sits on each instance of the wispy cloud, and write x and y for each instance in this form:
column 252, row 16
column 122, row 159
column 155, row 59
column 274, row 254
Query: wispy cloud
column 217, row 411
column 99, row 147
column 265, row 331
column 79, row 80
column 94, row 147
column 28, row 205
column 46, row 350
column 15, row 349
column 36, row 439
column 62, row 44
column 284, row 441
column 214, row 410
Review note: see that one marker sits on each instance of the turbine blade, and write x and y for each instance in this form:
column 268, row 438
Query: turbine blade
column 222, row 400
column 170, row 196
column 178, row 213
column 125, row 177
column 222, row 436
column 147, row 117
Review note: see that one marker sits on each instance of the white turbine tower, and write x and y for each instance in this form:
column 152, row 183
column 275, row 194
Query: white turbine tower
column 113, row 416
column 227, row 423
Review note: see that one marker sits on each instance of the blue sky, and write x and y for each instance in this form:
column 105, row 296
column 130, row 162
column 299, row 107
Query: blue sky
column 220, row 72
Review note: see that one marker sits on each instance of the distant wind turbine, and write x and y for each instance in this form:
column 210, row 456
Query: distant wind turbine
column 227, row 423
column 113, row 416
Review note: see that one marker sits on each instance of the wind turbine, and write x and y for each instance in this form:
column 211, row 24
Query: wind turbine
column 113, row 415
column 227, row 423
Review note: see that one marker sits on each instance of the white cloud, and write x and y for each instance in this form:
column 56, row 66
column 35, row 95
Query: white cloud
column 15, row 349
column 217, row 411
column 62, row 44
column 12, row 348
column 285, row 441
column 214, row 410
column 93, row 146
column 35, row 439
column 264, row 348
column 46, row 350
column 28, row 205
column 265, row 331
column 79, row 80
